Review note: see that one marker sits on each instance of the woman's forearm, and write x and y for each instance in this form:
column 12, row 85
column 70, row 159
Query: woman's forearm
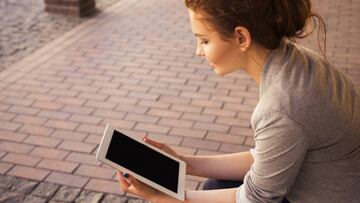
column 227, row 166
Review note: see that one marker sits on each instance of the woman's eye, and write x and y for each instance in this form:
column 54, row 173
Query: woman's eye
column 204, row 42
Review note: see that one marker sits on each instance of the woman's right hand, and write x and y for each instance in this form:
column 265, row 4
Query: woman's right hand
column 168, row 150
column 162, row 147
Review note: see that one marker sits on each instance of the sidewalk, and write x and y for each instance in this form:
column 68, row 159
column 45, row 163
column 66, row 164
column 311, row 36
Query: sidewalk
column 134, row 65
column 26, row 27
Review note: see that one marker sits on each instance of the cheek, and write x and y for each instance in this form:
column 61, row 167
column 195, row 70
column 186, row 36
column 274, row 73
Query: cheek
column 213, row 54
column 217, row 55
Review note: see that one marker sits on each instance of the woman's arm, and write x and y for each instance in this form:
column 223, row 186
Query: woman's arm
column 226, row 167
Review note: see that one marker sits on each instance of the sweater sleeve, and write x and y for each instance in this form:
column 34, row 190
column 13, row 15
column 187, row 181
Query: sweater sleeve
column 280, row 148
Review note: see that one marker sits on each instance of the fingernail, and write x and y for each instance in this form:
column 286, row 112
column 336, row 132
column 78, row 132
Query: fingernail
column 145, row 138
column 126, row 175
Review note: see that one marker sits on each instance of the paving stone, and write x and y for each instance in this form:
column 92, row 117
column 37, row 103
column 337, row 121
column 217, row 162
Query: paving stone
column 136, row 201
column 24, row 186
column 89, row 197
column 28, row 172
column 66, row 194
column 114, row 199
column 34, row 199
column 46, row 190
column 11, row 197
column 55, row 201
column 7, row 182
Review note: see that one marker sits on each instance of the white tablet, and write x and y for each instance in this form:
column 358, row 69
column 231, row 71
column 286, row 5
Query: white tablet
column 146, row 163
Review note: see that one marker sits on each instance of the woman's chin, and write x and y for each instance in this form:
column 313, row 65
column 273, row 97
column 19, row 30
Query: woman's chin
column 218, row 72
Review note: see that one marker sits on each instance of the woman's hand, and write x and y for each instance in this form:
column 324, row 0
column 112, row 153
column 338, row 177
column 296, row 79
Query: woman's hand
column 130, row 185
column 168, row 150
column 162, row 147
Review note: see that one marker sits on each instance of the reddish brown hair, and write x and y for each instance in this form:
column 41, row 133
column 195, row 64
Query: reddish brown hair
column 269, row 21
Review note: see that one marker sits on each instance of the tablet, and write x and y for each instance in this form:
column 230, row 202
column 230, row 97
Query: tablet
column 145, row 162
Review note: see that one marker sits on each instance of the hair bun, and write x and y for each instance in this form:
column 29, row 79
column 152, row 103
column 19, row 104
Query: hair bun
column 292, row 16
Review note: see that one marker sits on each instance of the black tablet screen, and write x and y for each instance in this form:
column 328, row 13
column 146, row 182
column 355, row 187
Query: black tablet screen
column 144, row 161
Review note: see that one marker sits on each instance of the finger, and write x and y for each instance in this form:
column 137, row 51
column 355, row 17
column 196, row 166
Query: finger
column 124, row 184
column 131, row 180
column 121, row 179
column 119, row 174
column 154, row 143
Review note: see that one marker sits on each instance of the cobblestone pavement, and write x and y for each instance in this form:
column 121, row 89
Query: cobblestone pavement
column 25, row 27
column 134, row 66
column 20, row 190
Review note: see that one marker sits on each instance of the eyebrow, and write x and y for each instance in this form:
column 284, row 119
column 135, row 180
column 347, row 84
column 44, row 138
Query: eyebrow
column 199, row 35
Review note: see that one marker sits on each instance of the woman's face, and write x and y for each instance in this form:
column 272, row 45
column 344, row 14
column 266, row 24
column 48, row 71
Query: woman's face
column 222, row 55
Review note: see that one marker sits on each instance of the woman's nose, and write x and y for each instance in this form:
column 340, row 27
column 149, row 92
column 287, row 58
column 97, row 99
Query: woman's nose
column 200, row 51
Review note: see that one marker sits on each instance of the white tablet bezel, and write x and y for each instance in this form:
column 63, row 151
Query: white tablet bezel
column 101, row 156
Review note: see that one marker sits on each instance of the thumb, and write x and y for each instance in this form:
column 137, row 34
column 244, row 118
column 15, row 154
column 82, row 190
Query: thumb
column 153, row 142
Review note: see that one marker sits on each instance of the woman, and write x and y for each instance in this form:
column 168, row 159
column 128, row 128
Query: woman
column 306, row 124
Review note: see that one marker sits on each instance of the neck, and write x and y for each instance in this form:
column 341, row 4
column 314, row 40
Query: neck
column 256, row 56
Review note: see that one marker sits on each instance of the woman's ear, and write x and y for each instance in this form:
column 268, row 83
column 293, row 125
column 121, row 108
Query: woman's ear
column 242, row 38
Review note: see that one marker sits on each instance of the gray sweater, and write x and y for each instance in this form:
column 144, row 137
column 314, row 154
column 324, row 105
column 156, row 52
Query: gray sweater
column 307, row 132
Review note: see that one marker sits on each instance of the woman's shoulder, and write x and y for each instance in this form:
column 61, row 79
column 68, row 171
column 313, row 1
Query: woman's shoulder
column 290, row 65
column 302, row 85
column 294, row 72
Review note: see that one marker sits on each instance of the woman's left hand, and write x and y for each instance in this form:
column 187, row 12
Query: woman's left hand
column 130, row 185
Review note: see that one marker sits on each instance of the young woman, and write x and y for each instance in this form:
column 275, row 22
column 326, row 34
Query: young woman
column 306, row 124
